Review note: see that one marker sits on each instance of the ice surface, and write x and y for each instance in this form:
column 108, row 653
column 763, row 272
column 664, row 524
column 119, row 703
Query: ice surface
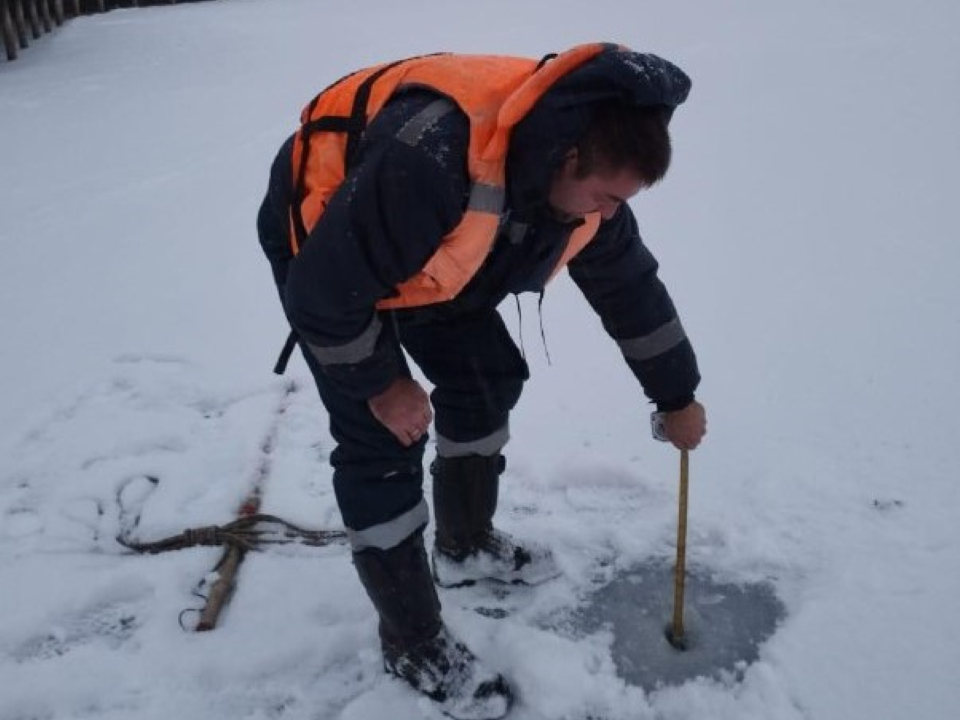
column 807, row 231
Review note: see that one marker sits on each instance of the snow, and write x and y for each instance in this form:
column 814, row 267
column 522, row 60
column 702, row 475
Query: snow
column 807, row 231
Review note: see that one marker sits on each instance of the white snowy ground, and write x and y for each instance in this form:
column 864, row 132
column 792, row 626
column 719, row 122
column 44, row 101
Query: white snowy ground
column 808, row 231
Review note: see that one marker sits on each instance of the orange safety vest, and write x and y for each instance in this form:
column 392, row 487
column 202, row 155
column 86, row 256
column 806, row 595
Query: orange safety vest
column 495, row 92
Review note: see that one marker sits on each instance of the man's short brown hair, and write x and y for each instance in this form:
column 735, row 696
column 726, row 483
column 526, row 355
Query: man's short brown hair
column 626, row 137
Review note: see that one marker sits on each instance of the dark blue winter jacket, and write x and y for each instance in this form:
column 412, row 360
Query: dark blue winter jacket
column 399, row 200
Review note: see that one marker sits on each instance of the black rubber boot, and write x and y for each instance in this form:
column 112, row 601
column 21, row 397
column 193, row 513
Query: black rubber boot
column 465, row 491
column 467, row 548
column 417, row 647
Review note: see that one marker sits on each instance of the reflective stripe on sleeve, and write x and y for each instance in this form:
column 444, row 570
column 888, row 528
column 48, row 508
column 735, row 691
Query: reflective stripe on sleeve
column 664, row 338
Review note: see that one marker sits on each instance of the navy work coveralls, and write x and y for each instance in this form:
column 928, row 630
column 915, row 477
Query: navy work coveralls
column 399, row 199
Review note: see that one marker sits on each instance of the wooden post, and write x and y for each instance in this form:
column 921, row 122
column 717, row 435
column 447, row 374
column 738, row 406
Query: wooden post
column 31, row 12
column 19, row 22
column 6, row 27
column 44, row 9
column 56, row 8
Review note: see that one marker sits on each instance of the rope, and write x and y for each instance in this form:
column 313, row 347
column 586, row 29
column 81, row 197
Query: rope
column 250, row 532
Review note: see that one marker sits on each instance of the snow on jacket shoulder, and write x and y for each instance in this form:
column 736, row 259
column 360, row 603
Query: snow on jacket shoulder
column 398, row 201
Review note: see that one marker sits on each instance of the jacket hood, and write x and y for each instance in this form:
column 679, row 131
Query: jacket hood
column 558, row 119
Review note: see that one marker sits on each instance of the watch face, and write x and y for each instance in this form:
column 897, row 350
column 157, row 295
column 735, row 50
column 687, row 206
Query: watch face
column 657, row 426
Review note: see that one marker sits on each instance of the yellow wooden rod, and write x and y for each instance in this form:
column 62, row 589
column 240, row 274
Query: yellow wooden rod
column 680, row 569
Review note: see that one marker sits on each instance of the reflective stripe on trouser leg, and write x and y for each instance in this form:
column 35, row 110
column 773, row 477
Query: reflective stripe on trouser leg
column 477, row 372
column 492, row 444
column 377, row 481
column 391, row 533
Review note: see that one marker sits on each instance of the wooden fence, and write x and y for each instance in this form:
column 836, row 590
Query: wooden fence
column 24, row 20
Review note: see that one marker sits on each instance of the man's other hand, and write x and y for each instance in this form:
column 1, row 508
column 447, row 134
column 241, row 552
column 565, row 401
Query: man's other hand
column 404, row 409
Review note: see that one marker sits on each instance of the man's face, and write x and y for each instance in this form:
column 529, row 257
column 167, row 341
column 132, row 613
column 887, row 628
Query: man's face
column 572, row 197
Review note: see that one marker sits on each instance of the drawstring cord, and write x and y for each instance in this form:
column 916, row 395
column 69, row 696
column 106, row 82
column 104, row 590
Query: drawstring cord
column 543, row 333
column 523, row 350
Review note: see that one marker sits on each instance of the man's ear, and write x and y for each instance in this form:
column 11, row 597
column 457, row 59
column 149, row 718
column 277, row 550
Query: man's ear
column 570, row 161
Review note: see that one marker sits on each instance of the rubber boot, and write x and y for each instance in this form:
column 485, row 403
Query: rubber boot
column 467, row 548
column 417, row 647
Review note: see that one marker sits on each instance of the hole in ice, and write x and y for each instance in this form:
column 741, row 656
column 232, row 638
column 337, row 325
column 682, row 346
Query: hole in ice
column 725, row 624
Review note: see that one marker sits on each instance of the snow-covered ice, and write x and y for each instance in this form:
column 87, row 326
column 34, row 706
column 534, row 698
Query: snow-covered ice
column 808, row 231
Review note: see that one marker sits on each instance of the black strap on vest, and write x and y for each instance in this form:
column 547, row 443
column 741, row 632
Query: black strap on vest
column 353, row 125
column 544, row 60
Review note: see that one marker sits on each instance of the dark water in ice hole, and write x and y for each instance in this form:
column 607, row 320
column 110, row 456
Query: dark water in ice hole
column 725, row 624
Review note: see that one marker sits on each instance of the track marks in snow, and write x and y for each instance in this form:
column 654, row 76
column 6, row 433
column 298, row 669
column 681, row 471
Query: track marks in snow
column 19, row 522
column 109, row 624
column 108, row 621
column 149, row 416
